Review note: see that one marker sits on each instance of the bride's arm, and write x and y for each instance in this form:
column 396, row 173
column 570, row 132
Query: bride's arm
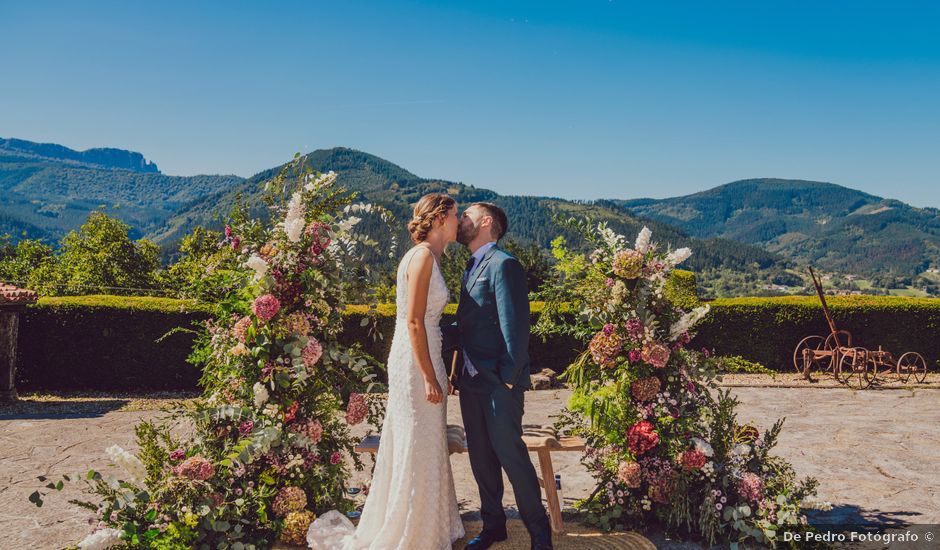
column 419, row 280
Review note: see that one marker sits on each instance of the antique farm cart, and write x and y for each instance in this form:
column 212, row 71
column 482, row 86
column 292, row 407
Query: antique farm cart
column 855, row 366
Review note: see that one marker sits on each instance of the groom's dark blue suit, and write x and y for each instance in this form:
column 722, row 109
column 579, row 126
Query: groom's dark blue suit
column 493, row 328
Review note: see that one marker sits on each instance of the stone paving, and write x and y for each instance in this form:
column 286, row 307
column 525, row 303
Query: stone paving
column 874, row 453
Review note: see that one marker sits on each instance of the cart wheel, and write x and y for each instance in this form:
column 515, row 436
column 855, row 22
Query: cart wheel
column 853, row 368
column 805, row 364
column 845, row 341
column 912, row 364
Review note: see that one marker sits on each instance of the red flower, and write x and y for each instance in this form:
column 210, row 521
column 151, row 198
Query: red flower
column 291, row 412
column 692, row 460
column 641, row 437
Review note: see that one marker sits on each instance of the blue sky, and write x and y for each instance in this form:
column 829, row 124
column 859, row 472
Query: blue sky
column 580, row 99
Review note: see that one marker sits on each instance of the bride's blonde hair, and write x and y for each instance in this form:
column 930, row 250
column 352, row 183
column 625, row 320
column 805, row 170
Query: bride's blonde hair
column 429, row 209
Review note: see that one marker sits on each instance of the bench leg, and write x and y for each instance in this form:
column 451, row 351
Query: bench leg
column 551, row 495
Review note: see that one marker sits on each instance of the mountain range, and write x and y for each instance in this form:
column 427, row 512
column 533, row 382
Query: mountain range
column 765, row 224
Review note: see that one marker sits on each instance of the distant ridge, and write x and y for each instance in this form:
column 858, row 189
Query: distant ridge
column 104, row 157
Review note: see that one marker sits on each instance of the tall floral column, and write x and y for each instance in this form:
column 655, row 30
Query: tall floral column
column 13, row 301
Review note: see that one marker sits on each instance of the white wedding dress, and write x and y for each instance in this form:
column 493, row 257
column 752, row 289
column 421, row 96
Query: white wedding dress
column 412, row 504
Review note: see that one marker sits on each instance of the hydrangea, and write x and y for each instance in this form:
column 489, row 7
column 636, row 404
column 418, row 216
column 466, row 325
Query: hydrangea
column 297, row 323
column 642, row 437
column 265, row 307
column 240, row 328
column 289, row 499
column 703, row 446
column 357, row 410
column 605, row 348
column 312, row 429
column 645, row 389
column 750, row 487
column 101, row 539
column 319, row 232
column 656, row 354
column 691, row 460
column 196, row 468
column 257, row 264
column 336, row 458
column 629, row 474
column 135, row 469
column 312, row 352
column 260, row 394
column 643, row 240
column 678, row 256
column 295, row 527
column 628, row 263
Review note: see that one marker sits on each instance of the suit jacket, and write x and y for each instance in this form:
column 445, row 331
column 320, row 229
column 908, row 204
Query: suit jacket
column 493, row 323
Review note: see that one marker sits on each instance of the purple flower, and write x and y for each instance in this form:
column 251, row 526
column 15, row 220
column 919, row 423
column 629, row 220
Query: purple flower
column 178, row 454
column 336, row 458
column 245, row 427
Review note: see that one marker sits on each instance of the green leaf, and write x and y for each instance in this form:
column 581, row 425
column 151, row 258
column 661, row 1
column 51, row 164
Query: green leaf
column 36, row 498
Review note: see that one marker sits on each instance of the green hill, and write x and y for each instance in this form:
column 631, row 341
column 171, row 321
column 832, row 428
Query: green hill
column 833, row 227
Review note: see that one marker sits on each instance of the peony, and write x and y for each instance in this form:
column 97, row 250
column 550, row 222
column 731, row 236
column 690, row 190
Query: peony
column 641, row 437
column 750, row 487
column 265, row 307
column 312, row 352
column 643, row 240
column 645, row 389
column 336, row 458
column 196, row 468
column 135, row 469
column 703, row 446
column 258, row 265
column 312, row 429
column 261, row 394
column 629, row 474
column 357, row 409
column 605, row 347
column 628, row 263
column 101, row 539
column 240, row 328
column 289, row 499
column 297, row 323
column 295, row 527
column 656, row 354
column 691, row 460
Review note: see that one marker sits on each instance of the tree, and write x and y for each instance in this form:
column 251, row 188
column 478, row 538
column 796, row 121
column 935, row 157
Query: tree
column 30, row 264
column 101, row 254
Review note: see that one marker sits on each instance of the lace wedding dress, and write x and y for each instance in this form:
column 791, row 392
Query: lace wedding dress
column 412, row 504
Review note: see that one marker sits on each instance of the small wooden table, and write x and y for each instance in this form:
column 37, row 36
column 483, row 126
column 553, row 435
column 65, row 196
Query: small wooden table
column 544, row 450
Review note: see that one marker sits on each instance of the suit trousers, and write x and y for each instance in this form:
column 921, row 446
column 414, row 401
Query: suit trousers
column 493, row 424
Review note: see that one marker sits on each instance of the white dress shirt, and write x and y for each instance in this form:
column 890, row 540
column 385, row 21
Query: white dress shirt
column 477, row 256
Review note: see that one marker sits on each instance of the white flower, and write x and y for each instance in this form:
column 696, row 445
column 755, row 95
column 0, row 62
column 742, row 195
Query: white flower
column 703, row 446
column 101, row 539
column 348, row 223
column 612, row 239
column 258, row 264
column 643, row 240
column 687, row 321
column 132, row 465
column 678, row 256
column 741, row 449
column 294, row 222
column 261, row 394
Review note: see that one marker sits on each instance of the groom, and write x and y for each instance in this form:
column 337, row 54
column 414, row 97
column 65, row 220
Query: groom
column 493, row 331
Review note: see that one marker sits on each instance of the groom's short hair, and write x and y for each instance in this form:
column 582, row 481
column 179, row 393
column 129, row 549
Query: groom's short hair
column 500, row 221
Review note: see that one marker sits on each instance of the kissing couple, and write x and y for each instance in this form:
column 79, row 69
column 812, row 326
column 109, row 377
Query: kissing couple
column 412, row 503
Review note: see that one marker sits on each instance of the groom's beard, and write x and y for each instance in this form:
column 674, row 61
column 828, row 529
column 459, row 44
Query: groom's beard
column 466, row 234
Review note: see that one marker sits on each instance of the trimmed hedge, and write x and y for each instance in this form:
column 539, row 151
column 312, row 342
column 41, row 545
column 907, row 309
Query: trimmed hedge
column 107, row 343
column 111, row 342
column 766, row 330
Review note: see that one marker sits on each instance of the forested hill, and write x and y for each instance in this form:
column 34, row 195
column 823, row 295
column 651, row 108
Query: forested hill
column 47, row 190
column 531, row 218
column 831, row 226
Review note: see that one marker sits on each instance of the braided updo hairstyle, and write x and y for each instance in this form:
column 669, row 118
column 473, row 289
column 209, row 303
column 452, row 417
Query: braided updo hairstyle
column 429, row 209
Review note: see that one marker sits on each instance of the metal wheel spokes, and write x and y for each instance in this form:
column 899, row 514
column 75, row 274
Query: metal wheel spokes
column 912, row 364
column 804, row 360
column 853, row 368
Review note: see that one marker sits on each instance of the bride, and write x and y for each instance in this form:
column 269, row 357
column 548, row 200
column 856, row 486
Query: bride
column 412, row 503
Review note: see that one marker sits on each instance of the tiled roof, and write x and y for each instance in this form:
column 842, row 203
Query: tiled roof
column 10, row 294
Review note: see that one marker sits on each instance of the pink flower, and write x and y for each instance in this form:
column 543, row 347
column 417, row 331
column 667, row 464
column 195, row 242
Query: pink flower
column 656, row 354
column 750, row 487
column 178, row 454
column 240, row 328
column 320, row 235
column 357, row 409
column 195, row 468
column 609, row 282
column 312, row 429
column 266, row 307
column 605, row 347
column 641, row 437
column 245, row 427
column 312, row 352
column 336, row 458
column 691, row 460
column 635, row 328
column 629, row 474
column 635, row 355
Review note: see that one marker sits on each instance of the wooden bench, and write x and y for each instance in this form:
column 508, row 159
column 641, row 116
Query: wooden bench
column 544, row 450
